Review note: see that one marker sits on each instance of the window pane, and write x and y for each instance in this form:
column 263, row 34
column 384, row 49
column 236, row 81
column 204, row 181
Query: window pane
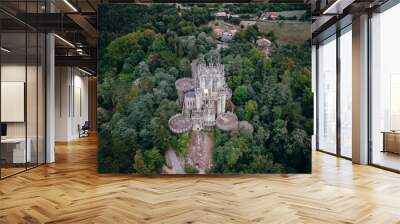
column 327, row 95
column 346, row 92
column 385, row 86
column 31, row 97
column 41, row 98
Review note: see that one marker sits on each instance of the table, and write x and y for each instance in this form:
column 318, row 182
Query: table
column 13, row 150
column 391, row 141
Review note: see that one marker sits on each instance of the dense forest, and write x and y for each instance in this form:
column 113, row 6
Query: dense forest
column 144, row 49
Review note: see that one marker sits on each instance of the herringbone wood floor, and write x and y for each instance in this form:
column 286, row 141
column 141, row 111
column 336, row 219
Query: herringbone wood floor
column 70, row 191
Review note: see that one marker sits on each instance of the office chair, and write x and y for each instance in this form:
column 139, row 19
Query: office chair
column 84, row 130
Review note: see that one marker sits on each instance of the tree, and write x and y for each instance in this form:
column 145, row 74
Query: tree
column 250, row 109
column 149, row 162
column 297, row 151
column 144, row 70
column 139, row 164
column 240, row 95
column 160, row 133
column 227, row 157
column 245, row 128
column 182, row 147
column 279, row 139
column 189, row 169
column 212, row 57
column 121, row 47
column 185, row 67
column 159, row 43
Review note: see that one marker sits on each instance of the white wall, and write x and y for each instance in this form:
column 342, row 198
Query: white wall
column 16, row 73
column 61, row 103
column 346, row 76
column 71, row 102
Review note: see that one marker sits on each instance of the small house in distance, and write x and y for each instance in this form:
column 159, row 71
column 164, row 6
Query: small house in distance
column 228, row 35
column 265, row 44
column 221, row 14
column 217, row 32
column 269, row 16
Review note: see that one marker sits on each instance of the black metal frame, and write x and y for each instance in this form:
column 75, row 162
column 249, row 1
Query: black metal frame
column 338, row 98
column 27, row 30
column 369, row 98
column 337, row 34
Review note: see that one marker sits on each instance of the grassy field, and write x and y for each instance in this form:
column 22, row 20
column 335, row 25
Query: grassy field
column 297, row 13
column 222, row 25
column 287, row 32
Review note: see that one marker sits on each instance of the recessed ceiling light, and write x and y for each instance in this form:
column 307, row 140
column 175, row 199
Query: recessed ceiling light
column 64, row 40
column 5, row 50
column 84, row 71
column 70, row 5
column 337, row 7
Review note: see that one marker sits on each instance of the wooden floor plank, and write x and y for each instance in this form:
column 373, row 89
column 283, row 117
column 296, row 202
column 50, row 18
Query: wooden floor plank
column 71, row 191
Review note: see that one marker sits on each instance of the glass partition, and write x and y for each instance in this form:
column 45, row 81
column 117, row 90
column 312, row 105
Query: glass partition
column 346, row 92
column 327, row 95
column 14, row 153
column 41, row 96
column 22, row 101
column 32, row 96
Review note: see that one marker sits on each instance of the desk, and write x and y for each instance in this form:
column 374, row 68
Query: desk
column 391, row 141
column 15, row 149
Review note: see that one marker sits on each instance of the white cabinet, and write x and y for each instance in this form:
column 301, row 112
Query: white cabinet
column 19, row 153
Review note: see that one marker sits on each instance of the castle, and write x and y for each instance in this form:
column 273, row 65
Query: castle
column 203, row 100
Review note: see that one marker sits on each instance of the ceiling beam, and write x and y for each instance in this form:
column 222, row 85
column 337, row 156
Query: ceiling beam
column 79, row 61
column 44, row 22
column 83, row 23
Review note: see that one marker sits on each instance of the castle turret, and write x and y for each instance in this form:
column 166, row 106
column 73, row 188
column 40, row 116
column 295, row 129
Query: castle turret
column 202, row 81
column 219, row 105
column 182, row 86
column 198, row 94
column 223, row 102
column 190, row 100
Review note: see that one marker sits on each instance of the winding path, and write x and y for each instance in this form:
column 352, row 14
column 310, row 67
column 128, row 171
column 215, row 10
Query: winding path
column 176, row 165
column 200, row 153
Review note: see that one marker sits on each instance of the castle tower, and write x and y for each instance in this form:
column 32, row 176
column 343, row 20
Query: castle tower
column 198, row 94
column 219, row 105
column 210, row 82
column 223, row 102
column 202, row 78
column 209, row 115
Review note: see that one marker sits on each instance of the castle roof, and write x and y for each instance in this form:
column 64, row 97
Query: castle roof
column 184, row 84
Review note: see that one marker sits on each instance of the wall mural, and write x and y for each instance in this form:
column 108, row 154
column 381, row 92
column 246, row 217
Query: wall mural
column 204, row 88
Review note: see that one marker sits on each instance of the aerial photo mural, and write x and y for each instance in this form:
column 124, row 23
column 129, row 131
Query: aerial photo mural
column 204, row 88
